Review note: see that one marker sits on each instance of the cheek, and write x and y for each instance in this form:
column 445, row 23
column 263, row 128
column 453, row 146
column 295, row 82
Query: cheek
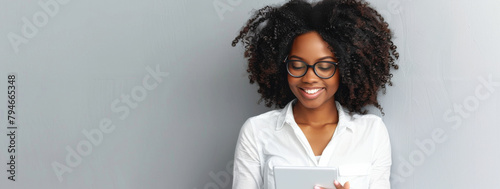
column 291, row 80
column 334, row 83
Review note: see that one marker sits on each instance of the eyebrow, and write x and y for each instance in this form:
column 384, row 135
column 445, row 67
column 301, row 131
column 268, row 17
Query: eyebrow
column 293, row 56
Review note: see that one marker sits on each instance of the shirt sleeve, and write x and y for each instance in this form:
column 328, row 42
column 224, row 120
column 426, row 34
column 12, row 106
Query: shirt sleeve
column 381, row 165
column 247, row 172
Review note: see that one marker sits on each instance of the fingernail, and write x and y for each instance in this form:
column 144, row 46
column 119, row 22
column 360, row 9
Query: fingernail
column 317, row 187
column 336, row 182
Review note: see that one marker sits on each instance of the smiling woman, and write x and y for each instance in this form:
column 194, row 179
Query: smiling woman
column 322, row 64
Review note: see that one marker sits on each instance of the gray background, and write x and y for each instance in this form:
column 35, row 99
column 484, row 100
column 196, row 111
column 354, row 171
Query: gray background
column 182, row 134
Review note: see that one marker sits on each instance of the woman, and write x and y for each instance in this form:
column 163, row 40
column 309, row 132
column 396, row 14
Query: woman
column 322, row 64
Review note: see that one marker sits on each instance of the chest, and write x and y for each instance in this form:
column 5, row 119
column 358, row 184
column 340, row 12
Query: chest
column 318, row 138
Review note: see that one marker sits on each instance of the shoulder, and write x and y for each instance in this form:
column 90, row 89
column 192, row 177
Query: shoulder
column 370, row 123
column 366, row 119
column 267, row 120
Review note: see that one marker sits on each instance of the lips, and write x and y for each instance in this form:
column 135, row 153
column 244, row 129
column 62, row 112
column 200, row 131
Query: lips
column 311, row 93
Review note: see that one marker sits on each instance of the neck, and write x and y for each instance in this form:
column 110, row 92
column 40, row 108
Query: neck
column 316, row 117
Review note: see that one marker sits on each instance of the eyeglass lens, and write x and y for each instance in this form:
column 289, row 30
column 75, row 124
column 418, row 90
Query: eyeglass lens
column 322, row 69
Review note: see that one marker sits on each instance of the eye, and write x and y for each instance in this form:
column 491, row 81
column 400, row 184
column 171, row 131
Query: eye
column 325, row 66
column 296, row 65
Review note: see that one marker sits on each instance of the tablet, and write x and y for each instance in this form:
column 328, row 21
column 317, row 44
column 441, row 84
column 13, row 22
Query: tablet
column 304, row 177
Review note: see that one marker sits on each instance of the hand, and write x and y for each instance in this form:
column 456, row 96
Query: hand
column 337, row 186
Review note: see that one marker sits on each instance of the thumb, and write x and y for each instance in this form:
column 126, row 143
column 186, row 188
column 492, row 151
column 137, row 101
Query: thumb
column 347, row 185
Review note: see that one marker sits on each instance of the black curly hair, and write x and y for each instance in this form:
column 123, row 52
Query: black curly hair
column 357, row 34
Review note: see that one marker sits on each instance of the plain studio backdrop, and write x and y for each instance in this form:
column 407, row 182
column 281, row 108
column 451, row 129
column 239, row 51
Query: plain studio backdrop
column 150, row 94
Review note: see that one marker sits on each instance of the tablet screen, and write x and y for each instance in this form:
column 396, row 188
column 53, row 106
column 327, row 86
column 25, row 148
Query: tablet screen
column 304, row 177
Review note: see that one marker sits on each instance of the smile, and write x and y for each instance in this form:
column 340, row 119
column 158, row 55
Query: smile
column 311, row 91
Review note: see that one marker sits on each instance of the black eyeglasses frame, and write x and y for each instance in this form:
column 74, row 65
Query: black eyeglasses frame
column 335, row 64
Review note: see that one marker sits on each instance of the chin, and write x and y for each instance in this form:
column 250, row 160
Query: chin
column 313, row 104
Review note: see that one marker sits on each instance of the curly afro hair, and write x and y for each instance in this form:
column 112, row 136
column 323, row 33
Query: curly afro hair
column 357, row 34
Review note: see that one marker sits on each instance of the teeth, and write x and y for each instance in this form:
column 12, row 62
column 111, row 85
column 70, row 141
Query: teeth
column 311, row 91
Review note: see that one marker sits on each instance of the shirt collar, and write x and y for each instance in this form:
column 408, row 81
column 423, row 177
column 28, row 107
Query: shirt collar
column 286, row 116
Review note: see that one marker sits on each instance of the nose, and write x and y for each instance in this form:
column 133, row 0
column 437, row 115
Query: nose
column 310, row 76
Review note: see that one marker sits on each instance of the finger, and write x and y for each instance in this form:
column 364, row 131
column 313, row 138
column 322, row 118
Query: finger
column 337, row 185
column 347, row 185
column 318, row 187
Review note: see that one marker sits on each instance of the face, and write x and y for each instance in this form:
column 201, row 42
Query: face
column 311, row 91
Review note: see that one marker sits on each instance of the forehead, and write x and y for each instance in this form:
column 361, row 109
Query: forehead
column 310, row 46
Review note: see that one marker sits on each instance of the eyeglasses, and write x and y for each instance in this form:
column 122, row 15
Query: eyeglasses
column 323, row 69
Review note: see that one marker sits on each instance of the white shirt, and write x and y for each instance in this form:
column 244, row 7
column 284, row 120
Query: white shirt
column 360, row 148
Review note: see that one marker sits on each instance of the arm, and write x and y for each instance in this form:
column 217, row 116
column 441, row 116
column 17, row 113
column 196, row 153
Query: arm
column 381, row 165
column 247, row 172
